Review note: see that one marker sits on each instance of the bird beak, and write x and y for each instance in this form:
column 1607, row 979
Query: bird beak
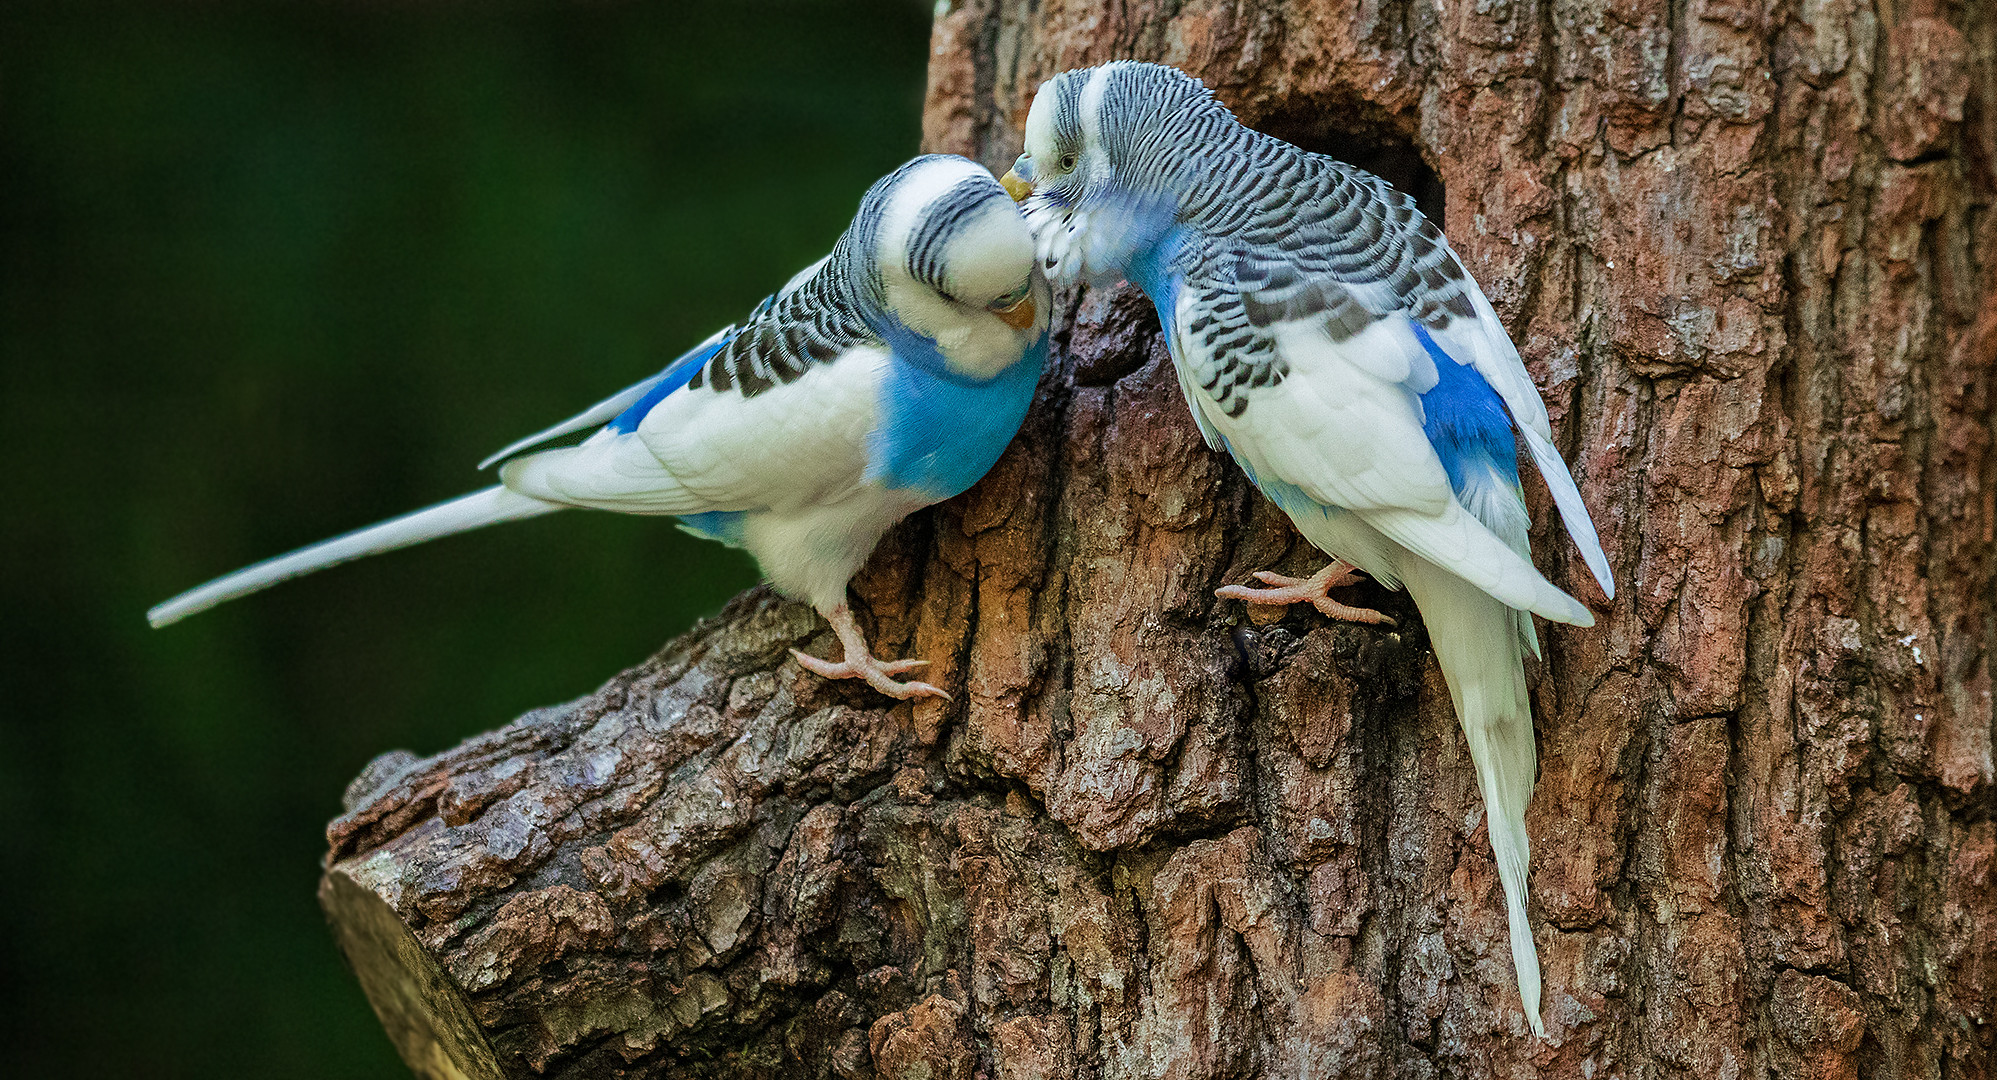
column 1019, row 316
column 1016, row 187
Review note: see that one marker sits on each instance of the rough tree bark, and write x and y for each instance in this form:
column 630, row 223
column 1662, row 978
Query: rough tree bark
column 1746, row 248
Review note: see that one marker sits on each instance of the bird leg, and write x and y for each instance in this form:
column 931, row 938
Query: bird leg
column 1310, row 590
column 860, row 662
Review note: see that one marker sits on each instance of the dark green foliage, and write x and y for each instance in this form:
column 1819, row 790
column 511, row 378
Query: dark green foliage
column 269, row 273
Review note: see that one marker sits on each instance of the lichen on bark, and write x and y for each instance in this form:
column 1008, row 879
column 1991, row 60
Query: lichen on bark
column 1744, row 248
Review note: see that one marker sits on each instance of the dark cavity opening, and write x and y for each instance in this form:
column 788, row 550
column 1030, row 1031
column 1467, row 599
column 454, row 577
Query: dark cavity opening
column 1372, row 143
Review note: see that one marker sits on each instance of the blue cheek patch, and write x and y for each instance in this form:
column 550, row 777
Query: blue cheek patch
column 1465, row 420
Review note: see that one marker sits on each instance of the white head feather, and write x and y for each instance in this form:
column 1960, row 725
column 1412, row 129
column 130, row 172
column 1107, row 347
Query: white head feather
column 954, row 259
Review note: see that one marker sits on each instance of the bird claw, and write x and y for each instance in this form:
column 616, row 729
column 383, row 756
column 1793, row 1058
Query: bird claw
column 1310, row 590
column 874, row 672
column 860, row 662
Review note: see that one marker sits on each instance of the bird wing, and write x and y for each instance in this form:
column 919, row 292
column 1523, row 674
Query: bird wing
column 634, row 401
column 776, row 416
column 1335, row 300
column 637, row 396
column 1340, row 254
column 1318, row 396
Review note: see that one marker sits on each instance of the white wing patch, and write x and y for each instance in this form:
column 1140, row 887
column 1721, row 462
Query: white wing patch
column 1338, row 426
column 607, row 471
column 802, row 442
column 797, row 444
column 1345, row 427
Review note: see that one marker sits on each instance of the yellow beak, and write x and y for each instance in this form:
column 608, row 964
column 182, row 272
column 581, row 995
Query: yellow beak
column 1018, row 316
column 1014, row 186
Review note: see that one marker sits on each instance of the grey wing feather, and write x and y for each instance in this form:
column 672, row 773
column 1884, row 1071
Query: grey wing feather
column 1338, row 241
column 1226, row 354
column 1319, row 242
column 815, row 319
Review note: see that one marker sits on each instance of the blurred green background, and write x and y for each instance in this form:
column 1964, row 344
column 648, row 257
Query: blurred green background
column 269, row 272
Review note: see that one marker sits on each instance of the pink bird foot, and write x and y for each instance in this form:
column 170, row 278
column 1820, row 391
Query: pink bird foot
column 860, row 662
column 1310, row 590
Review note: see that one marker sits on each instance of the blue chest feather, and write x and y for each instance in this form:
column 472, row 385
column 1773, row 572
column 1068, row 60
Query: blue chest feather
column 1465, row 420
column 938, row 433
column 1153, row 271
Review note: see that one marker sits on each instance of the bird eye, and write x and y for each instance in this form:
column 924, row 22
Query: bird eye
column 1011, row 298
column 1067, row 161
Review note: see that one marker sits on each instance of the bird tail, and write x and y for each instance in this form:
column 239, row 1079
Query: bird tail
column 1480, row 649
column 489, row 506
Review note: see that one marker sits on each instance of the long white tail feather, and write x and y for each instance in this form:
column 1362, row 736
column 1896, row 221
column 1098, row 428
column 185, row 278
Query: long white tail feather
column 1478, row 646
column 1573, row 512
column 488, row 506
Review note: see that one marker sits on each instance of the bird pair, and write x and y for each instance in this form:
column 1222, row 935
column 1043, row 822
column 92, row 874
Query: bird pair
column 1323, row 333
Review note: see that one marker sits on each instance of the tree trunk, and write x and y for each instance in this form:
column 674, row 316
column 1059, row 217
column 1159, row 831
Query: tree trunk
column 1746, row 250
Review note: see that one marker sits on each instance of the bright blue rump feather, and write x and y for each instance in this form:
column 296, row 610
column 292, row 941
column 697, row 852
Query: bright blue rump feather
column 722, row 525
column 1465, row 420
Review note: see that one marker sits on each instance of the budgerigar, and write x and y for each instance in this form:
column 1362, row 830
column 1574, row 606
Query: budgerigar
column 886, row 377
column 1326, row 335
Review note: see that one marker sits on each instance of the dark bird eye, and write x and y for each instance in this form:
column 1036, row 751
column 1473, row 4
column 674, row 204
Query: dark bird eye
column 1067, row 162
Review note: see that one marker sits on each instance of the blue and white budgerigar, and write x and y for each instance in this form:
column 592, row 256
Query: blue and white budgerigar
column 1325, row 334
column 886, row 377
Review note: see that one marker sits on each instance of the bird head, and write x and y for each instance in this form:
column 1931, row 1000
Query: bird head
column 1097, row 178
column 955, row 263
